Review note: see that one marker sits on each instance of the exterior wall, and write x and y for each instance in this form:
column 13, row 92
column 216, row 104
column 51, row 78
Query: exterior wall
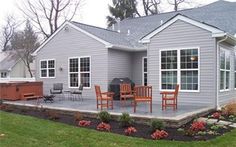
column 119, row 64
column 73, row 43
column 19, row 70
column 137, row 67
column 227, row 96
column 181, row 35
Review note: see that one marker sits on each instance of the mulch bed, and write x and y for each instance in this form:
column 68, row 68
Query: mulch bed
column 143, row 131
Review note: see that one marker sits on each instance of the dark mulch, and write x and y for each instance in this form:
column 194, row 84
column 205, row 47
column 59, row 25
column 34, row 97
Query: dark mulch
column 143, row 131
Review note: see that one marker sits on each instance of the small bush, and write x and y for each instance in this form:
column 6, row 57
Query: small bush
column 156, row 125
column 103, row 127
column 159, row 134
column 104, row 116
column 53, row 115
column 84, row 123
column 130, row 130
column 78, row 116
column 216, row 127
column 125, row 120
column 230, row 109
column 198, row 126
column 216, row 115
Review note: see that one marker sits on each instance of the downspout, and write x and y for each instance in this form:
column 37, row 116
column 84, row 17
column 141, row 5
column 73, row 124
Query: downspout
column 217, row 72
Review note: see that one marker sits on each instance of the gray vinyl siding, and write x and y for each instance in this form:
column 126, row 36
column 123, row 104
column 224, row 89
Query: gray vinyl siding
column 73, row 43
column 119, row 64
column 137, row 69
column 181, row 35
column 227, row 96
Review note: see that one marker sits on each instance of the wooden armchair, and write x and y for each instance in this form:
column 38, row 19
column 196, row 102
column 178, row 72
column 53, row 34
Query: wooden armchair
column 143, row 94
column 125, row 93
column 171, row 97
column 104, row 99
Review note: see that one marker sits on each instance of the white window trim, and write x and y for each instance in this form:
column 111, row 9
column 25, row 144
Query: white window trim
column 7, row 75
column 143, row 70
column 179, row 69
column 40, row 69
column 90, row 78
column 234, row 67
column 225, row 70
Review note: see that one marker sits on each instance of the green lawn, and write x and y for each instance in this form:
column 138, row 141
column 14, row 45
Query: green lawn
column 28, row 131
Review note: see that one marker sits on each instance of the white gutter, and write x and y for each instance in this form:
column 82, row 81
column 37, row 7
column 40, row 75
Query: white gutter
column 125, row 48
column 217, row 65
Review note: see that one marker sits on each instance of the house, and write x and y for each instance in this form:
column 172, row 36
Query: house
column 11, row 66
column 194, row 48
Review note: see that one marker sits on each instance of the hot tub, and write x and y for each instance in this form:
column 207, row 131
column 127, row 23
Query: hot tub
column 16, row 90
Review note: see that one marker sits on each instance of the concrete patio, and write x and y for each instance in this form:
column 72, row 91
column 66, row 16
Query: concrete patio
column 89, row 105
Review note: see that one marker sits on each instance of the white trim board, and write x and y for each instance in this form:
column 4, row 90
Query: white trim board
column 214, row 30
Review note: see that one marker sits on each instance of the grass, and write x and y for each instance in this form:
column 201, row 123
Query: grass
column 29, row 131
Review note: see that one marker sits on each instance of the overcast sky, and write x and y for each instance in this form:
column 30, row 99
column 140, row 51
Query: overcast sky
column 94, row 12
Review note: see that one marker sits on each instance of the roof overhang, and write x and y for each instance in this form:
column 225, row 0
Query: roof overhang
column 126, row 48
column 230, row 38
column 213, row 30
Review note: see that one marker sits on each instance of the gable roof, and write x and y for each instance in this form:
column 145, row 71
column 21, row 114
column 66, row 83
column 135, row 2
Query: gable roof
column 220, row 14
column 8, row 60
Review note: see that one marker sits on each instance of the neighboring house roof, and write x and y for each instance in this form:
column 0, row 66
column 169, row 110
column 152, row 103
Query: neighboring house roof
column 8, row 60
column 220, row 15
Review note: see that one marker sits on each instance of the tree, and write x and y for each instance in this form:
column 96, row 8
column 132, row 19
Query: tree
column 24, row 43
column 7, row 32
column 122, row 9
column 150, row 7
column 176, row 3
column 48, row 15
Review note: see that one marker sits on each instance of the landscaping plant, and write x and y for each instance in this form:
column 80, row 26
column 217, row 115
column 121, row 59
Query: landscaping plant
column 104, row 116
column 198, row 126
column 84, row 123
column 53, row 115
column 130, row 130
column 230, row 109
column 156, row 125
column 103, row 127
column 216, row 115
column 78, row 116
column 125, row 120
column 159, row 134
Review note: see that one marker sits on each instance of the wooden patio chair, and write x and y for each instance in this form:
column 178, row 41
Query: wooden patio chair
column 170, row 97
column 104, row 99
column 125, row 93
column 143, row 94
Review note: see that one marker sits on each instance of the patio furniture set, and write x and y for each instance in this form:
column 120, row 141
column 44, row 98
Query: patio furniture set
column 139, row 94
column 58, row 90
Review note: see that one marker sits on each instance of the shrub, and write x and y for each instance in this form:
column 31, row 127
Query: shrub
column 216, row 115
column 159, row 134
column 84, row 123
column 202, row 133
column 230, row 109
column 78, row 116
column 189, row 132
column 103, row 127
column 125, row 120
column 53, row 115
column 216, row 127
column 156, row 125
column 198, row 126
column 104, row 116
column 180, row 130
column 130, row 130
column 232, row 118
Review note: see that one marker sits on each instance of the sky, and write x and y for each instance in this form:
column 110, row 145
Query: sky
column 93, row 12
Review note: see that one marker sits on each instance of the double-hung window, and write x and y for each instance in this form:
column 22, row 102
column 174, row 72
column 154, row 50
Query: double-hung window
column 235, row 70
column 80, row 72
column 180, row 67
column 145, row 71
column 3, row 74
column 224, row 69
column 47, row 68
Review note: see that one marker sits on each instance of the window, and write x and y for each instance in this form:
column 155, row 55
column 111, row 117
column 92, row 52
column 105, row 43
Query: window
column 3, row 74
column 180, row 67
column 235, row 69
column 144, row 71
column 47, row 68
column 224, row 70
column 79, row 72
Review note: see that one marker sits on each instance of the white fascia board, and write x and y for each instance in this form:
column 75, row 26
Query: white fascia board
column 125, row 48
column 185, row 19
column 75, row 27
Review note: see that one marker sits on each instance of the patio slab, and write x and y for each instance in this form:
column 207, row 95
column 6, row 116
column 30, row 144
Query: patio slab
column 182, row 115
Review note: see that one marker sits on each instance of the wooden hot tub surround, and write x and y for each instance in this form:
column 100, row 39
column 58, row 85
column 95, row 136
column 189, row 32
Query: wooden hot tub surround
column 18, row 90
